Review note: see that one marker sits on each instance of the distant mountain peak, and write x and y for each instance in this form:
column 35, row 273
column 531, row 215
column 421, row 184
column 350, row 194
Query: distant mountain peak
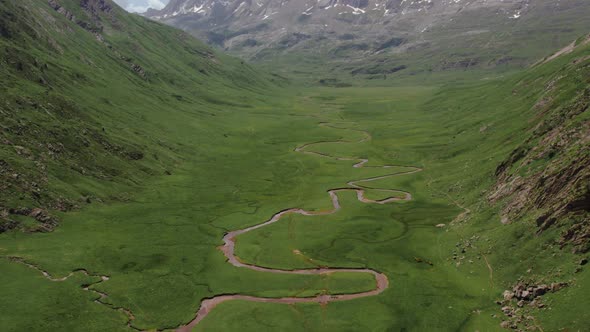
column 455, row 33
column 263, row 8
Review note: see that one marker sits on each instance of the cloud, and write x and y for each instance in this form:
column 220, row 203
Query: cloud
column 157, row 4
column 140, row 6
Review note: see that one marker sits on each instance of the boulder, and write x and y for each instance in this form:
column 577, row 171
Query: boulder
column 508, row 295
column 540, row 290
column 36, row 213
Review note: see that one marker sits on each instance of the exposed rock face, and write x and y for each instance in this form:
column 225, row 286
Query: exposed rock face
column 560, row 191
column 270, row 21
column 373, row 10
column 353, row 29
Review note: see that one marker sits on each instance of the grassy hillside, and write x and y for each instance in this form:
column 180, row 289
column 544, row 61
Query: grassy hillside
column 519, row 150
column 147, row 147
column 94, row 100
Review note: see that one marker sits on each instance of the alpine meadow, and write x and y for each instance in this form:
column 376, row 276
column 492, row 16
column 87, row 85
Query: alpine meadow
column 295, row 165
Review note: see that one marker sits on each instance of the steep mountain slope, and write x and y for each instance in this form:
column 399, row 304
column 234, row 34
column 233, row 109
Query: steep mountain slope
column 382, row 37
column 84, row 88
column 514, row 156
column 547, row 176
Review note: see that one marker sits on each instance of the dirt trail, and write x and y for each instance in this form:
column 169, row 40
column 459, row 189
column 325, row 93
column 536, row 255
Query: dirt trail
column 228, row 248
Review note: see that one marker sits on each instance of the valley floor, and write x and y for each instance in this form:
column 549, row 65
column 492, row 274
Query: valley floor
column 149, row 262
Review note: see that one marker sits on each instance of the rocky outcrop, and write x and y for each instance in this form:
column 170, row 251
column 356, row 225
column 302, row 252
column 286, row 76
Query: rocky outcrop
column 525, row 292
column 547, row 177
column 96, row 6
column 6, row 223
column 46, row 221
column 521, row 302
column 93, row 24
column 58, row 8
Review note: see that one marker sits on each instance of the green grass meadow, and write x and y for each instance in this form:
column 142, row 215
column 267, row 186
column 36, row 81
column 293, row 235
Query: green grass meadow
column 219, row 155
column 159, row 248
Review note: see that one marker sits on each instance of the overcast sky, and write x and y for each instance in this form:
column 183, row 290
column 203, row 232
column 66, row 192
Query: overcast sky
column 140, row 6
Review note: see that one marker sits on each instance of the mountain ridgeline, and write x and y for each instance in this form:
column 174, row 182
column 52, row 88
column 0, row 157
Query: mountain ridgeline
column 372, row 38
